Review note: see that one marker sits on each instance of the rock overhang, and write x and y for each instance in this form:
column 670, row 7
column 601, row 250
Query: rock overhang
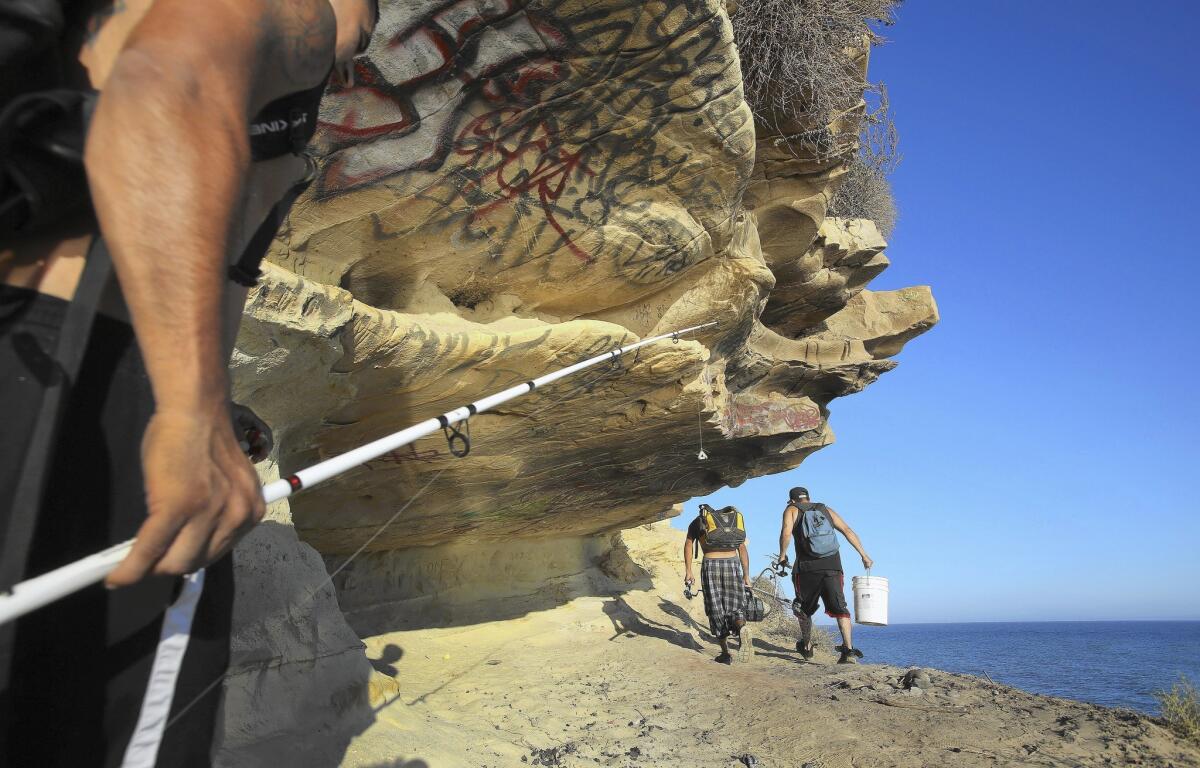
column 510, row 188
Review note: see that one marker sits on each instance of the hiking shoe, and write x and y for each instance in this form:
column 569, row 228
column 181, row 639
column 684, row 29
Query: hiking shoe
column 812, row 650
column 724, row 658
column 745, row 649
column 849, row 655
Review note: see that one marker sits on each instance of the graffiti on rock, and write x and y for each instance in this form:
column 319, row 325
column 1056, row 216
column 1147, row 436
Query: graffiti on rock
column 409, row 96
column 771, row 418
column 526, row 127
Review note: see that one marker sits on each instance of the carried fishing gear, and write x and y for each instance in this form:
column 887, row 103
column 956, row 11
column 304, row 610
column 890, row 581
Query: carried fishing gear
column 777, row 569
column 756, row 607
column 780, row 566
column 41, row 590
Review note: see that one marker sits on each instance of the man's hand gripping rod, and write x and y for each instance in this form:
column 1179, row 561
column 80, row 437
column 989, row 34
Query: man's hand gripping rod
column 42, row 590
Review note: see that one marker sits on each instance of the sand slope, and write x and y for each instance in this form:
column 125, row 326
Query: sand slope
column 629, row 680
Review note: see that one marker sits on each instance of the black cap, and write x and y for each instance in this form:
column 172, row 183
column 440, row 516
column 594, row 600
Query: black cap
column 798, row 493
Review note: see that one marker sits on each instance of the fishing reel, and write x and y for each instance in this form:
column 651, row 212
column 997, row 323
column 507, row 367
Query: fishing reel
column 253, row 435
column 779, row 567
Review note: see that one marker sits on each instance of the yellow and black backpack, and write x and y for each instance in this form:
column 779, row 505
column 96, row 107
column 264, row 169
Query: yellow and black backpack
column 723, row 528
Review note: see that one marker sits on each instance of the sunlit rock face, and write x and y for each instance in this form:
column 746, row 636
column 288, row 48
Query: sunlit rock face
column 508, row 189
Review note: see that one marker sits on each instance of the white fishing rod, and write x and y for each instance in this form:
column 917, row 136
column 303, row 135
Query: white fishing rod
column 42, row 590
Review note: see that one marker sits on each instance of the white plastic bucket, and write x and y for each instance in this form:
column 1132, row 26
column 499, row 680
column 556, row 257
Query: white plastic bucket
column 870, row 600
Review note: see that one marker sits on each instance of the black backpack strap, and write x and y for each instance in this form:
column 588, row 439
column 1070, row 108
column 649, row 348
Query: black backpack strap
column 72, row 344
column 245, row 271
column 799, row 517
column 39, row 457
column 723, row 523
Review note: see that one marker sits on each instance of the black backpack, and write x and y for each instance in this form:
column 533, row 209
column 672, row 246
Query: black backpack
column 42, row 122
column 723, row 528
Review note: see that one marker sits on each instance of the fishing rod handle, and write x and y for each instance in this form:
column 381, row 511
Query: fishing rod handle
column 39, row 591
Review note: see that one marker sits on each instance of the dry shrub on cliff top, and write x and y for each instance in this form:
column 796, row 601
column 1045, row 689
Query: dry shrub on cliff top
column 801, row 59
column 865, row 192
column 801, row 63
column 1181, row 709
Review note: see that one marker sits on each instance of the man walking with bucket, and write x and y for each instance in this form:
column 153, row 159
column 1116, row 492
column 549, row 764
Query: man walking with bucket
column 818, row 569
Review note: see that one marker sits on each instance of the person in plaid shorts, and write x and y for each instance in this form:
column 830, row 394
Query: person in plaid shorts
column 724, row 576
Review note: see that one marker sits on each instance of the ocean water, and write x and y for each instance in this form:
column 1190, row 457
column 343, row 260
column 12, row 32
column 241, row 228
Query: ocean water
column 1114, row 663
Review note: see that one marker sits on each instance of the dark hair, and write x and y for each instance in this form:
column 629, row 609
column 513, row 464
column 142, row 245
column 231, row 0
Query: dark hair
column 798, row 493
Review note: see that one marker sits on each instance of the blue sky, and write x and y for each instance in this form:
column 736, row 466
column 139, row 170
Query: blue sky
column 1035, row 456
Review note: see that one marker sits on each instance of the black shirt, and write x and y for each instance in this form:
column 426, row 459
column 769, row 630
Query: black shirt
column 832, row 563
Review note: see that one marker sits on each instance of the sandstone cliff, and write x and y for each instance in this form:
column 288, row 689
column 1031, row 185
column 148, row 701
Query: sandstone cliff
column 508, row 189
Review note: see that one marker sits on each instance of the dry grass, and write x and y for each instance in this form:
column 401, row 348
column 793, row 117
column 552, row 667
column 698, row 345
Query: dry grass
column 865, row 192
column 801, row 61
column 801, row 64
column 1181, row 710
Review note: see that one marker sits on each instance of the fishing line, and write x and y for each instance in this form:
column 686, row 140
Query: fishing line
column 303, row 603
column 379, row 531
column 588, row 385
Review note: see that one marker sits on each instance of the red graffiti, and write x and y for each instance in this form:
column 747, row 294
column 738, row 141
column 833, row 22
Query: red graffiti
column 765, row 418
column 411, row 91
column 531, row 162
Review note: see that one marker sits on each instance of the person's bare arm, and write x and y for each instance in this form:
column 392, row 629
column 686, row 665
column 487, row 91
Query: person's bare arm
column 688, row 546
column 785, row 533
column 166, row 157
column 744, row 556
column 840, row 525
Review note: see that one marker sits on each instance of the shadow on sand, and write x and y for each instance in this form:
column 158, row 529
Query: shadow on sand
column 391, row 653
column 628, row 621
column 773, row 651
column 676, row 611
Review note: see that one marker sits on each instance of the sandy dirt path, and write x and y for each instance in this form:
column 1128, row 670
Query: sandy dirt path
column 629, row 680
